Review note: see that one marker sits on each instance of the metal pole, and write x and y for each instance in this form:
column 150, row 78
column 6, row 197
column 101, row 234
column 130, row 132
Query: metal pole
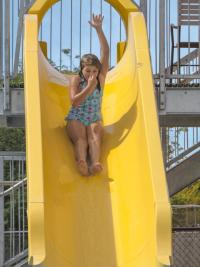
column 143, row 5
column 162, row 98
column 1, row 215
column 1, row 39
column 19, row 37
column 164, row 143
column 7, row 56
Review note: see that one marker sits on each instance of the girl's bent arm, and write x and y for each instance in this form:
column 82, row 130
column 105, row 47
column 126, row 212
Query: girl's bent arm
column 78, row 97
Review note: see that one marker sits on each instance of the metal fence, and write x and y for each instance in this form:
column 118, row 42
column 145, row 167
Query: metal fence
column 186, row 247
column 180, row 143
column 186, row 235
column 13, row 206
column 186, row 216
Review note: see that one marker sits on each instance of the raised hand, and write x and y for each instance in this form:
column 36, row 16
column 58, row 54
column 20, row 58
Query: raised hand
column 96, row 21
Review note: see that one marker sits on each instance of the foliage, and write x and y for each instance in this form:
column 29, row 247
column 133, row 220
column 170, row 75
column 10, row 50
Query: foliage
column 12, row 139
column 189, row 195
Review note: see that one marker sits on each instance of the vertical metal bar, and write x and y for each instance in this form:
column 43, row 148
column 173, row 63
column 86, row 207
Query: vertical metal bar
column 167, row 144
column 184, row 139
column 164, row 143
column 1, row 215
column 198, row 58
column 7, row 55
column 19, row 38
column 10, row 233
column 41, row 26
column 22, row 60
column 156, row 38
column 110, row 35
column 193, row 134
column 80, row 27
column 149, row 25
column 12, row 34
column 175, row 140
column 13, row 211
column 189, row 33
column 143, row 5
column 1, row 39
column 18, row 6
column 162, row 92
column 195, row 216
column 23, row 215
column 60, row 35
column 178, row 45
column 51, row 16
column 19, row 207
column 169, row 32
column 71, row 39
column 90, row 27
column 120, row 29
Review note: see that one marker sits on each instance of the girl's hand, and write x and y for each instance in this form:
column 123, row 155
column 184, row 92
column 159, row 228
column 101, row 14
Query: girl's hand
column 92, row 82
column 96, row 21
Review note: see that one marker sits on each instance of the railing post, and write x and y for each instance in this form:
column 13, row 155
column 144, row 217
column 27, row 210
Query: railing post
column 1, row 216
column 19, row 37
column 143, row 6
column 164, row 143
column 1, row 39
column 7, row 56
column 162, row 92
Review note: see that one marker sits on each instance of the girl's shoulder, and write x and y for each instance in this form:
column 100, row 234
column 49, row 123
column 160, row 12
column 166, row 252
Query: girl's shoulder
column 76, row 79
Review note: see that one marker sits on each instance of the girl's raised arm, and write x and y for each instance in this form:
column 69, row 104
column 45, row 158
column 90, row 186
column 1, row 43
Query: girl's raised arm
column 97, row 24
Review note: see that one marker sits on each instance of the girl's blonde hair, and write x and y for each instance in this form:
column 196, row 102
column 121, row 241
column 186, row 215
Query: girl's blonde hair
column 90, row 60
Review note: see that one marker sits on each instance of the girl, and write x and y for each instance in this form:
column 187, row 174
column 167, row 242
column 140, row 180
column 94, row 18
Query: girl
column 84, row 125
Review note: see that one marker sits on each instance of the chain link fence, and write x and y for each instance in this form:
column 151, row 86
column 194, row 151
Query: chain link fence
column 186, row 247
column 186, row 235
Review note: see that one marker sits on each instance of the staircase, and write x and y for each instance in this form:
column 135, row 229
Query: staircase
column 184, row 169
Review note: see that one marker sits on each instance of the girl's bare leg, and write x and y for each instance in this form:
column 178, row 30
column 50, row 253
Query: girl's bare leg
column 78, row 135
column 95, row 134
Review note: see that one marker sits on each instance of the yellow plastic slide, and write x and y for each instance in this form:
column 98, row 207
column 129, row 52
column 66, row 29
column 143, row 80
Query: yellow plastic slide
column 122, row 217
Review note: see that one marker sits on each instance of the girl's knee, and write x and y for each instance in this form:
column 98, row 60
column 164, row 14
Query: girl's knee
column 81, row 140
column 94, row 139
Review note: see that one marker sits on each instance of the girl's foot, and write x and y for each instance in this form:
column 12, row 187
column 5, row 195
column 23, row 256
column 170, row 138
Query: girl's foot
column 83, row 167
column 96, row 168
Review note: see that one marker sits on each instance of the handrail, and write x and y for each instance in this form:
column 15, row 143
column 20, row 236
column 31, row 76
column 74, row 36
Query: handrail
column 182, row 155
column 6, row 192
column 16, row 259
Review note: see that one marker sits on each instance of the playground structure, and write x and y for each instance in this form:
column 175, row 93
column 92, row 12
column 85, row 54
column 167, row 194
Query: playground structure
column 54, row 80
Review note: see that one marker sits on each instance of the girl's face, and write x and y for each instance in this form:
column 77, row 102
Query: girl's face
column 90, row 71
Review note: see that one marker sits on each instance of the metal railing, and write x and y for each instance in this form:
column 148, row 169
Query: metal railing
column 186, row 216
column 179, row 143
column 13, row 205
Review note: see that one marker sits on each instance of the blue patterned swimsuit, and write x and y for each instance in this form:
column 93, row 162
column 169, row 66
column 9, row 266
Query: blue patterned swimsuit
column 89, row 110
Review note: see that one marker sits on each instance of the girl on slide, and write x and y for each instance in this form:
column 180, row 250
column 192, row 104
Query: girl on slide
column 84, row 121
